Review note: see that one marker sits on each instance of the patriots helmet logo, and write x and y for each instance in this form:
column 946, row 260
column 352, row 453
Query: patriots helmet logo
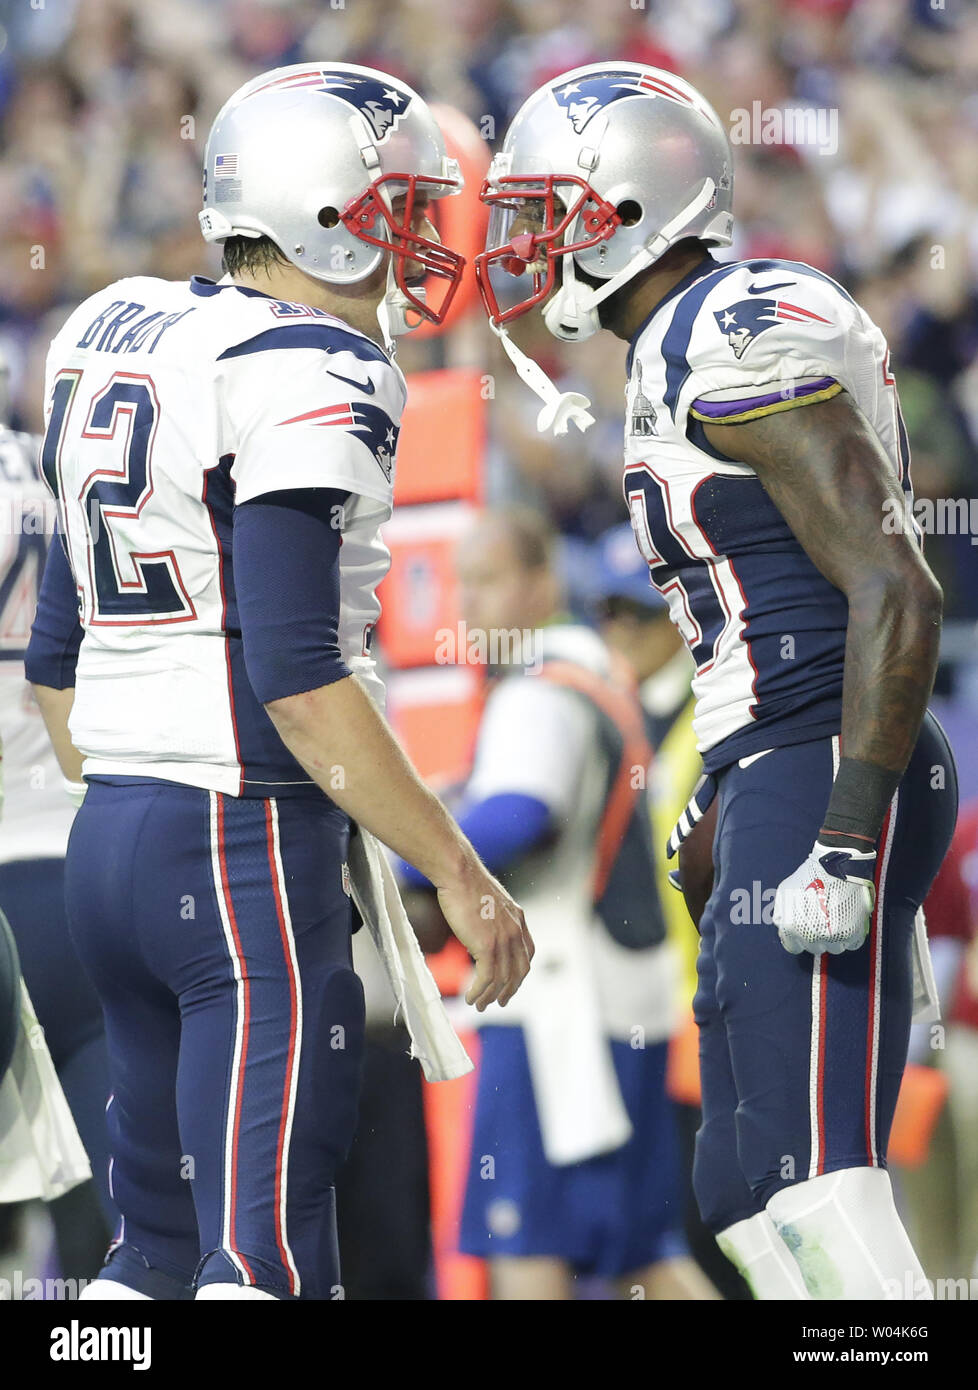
column 748, row 318
column 382, row 103
column 368, row 422
column 583, row 98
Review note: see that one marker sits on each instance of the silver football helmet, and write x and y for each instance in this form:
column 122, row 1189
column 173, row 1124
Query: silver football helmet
column 605, row 167
column 313, row 157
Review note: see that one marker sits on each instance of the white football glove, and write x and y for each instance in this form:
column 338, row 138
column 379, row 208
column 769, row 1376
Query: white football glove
column 827, row 904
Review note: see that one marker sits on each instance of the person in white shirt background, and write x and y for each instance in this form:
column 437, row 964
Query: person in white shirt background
column 573, row 1172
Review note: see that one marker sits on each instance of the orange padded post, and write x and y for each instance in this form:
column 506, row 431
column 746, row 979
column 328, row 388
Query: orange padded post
column 683, row 1066
column 923, row 1092
column 442, row 440
column 433, row 704
column 449, row 1107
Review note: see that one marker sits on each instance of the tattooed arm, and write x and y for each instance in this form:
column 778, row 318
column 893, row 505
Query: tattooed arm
column 828, row 476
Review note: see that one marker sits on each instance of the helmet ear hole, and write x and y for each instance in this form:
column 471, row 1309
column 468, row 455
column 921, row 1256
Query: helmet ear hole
column 630, row 212
column 328, row 217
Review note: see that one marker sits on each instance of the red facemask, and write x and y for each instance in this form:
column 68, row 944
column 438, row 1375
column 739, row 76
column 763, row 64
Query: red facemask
column 517, row 193
column 404, row 244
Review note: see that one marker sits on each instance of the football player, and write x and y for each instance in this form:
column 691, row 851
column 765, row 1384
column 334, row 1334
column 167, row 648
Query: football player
column 33, row 837
column 223, row 456
column 764, row 453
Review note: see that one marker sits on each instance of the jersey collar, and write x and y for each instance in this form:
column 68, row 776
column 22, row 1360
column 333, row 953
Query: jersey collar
column 199, row 284
column 705, row 267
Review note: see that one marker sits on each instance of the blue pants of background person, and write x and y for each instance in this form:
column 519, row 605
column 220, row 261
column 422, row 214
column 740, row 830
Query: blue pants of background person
column 217, row 932
column 32, row 895
column 802, row 1056
column 606, row 1216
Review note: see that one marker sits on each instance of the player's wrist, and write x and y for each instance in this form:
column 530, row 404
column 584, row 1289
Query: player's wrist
column 837, row 839
column 453, row 862
column 861, row 794
column 853, row 862
column 469, row 875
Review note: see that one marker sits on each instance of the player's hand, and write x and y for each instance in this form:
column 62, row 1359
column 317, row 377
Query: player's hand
column 491, row 926
column 827, row 904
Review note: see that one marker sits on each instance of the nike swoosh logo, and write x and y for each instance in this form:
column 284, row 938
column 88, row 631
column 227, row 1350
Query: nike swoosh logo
column 766, row 289
column 367, row 387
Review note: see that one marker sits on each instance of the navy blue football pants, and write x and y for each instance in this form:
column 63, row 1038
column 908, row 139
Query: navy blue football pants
column 32, row 895
column 217, row 933
column 801, row 1057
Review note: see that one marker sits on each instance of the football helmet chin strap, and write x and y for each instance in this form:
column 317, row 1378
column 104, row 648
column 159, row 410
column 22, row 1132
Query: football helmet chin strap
column 560, row 408
column 572, row 316
column 392, row 310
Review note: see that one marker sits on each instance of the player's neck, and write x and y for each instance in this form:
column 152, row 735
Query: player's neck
column 290, row 283
column 631, row 306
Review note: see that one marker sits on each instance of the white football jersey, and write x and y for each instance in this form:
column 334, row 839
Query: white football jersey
column 766, row 630
column 37, row 813
column 168, row 404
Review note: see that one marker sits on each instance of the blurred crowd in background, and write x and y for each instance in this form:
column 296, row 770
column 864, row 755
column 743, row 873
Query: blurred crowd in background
column 105, row 106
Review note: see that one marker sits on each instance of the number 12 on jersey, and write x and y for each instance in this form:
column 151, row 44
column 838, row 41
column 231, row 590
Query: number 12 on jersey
column 122, row 585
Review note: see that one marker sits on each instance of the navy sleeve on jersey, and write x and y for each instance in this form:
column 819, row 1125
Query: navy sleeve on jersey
column 286, row 556
column 56, row 636
column 502, row 828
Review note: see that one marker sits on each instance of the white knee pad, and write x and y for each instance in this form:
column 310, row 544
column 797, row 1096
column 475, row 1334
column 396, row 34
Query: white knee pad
column 111, row 1289
column 844, row 1232
column 209, row 1293
column 758, row 1252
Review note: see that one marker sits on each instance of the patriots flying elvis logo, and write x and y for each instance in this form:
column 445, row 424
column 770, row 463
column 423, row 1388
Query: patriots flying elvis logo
column 381, row 103
column 368, row 422
column 748, row 318
column 584, row 97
